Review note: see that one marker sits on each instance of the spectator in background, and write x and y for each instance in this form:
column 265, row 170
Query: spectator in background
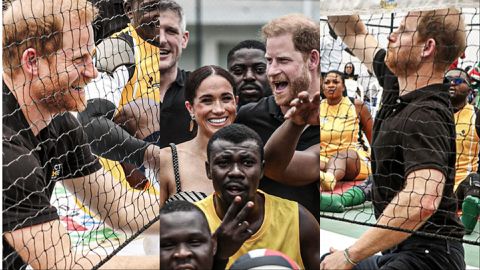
column 354, row 89
column 372, row 93
column 467, row 126
column 349, row 71
column 248, row 66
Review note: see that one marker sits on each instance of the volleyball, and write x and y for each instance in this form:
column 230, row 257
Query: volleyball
column 264, row 259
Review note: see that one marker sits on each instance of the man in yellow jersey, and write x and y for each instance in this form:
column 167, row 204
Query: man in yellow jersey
column 128, row 92
column 235, row 165
column 467, row 126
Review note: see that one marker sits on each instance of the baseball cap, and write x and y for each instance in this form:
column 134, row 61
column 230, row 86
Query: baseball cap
column 457, row 73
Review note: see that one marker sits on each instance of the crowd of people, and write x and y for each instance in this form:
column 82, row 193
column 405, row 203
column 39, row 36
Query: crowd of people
column 236, row 159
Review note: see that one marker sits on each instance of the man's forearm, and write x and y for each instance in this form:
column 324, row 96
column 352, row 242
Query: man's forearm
column 151, row 159
column 398, row 214
column 280, row 148
column 345, row 26
column 354, row 34
column 121, row 207
column 409, row 210
column 106, row 138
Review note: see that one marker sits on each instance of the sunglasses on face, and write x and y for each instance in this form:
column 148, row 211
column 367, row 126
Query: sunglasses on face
column 455, row 80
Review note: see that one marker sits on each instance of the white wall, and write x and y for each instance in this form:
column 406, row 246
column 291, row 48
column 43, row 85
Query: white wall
column 227, row 22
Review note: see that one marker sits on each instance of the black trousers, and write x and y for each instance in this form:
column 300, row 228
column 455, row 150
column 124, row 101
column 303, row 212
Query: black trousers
column 420, row 253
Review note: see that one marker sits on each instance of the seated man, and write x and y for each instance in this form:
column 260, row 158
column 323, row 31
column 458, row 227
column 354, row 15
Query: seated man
column 185, row 239
column 243, row 215
column 467, row 127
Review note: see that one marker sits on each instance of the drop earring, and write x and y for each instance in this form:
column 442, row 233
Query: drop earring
column 192, row 123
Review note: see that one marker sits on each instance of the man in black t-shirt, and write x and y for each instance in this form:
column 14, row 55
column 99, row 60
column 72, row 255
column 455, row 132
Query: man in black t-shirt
column 293, row 65
column 248, row 66
column 413, row 149
column 43, row 79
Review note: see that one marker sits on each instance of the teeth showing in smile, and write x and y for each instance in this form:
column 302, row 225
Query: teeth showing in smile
column 164, row 52
column 217, row 120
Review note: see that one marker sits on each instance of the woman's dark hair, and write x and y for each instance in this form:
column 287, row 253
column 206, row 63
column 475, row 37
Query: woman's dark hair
column 342, row 77
column 350, row 76
column 199, row 75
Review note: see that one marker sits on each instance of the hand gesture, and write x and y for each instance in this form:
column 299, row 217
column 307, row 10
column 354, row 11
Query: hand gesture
column 336, row 260
column 234, row 230
column 303, row 110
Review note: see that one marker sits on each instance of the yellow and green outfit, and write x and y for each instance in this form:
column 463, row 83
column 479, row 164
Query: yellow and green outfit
column 144, row 82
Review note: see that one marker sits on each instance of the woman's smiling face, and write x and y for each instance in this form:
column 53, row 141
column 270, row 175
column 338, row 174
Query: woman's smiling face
column 214, row 105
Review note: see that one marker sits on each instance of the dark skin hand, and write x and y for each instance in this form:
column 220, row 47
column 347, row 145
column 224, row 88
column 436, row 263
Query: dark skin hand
column 234, row 230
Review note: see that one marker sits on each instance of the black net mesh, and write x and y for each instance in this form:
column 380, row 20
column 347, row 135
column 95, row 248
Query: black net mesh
column 346, row 148
column 62, row 206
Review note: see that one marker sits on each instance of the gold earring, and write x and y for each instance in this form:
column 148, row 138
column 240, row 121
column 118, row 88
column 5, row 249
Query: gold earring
column 192, row 123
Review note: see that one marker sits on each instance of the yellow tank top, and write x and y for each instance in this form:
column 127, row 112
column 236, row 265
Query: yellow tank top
column 467, row 143
column 145, row 82
column 339, row 127
column 280, row 229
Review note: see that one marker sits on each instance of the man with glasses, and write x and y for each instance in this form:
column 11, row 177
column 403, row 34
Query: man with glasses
column 467, row 125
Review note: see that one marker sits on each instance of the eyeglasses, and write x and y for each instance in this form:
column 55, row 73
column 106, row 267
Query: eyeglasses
column 455, row 80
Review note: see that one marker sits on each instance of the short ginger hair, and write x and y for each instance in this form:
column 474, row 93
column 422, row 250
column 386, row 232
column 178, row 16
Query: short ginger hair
column 39, row 24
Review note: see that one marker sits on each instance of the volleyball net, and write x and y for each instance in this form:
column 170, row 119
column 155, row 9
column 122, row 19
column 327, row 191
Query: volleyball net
column 61, row 207
column 350, row 201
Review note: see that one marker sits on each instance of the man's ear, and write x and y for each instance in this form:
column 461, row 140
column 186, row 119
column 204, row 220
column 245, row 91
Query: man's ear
column 214, row 243
column 263, row 167
column 29, row 62
column 314, row 60
column 207, row 169
column 185, row 38
column 429, row 48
